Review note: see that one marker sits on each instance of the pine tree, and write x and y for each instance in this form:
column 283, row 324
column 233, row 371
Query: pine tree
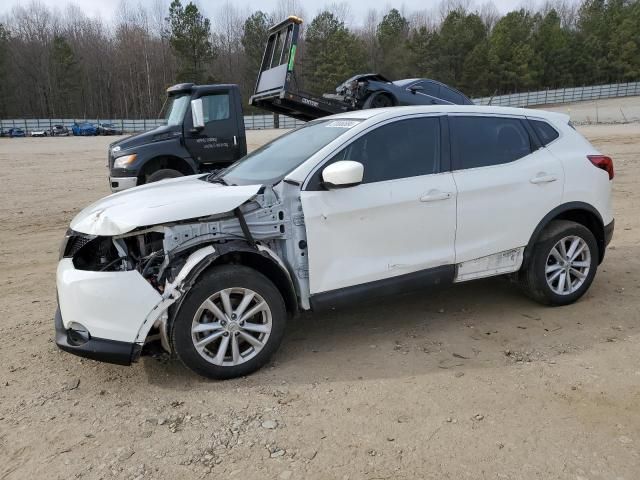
column 190, row 39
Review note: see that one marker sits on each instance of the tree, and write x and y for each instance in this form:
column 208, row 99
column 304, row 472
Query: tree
column 511, row 55
column 453, row 45
column 392, row 34
column 254, row 38
column 334, row 54
column 552, row 47
column 190, row 38
column 64, row 75
column 4, row 45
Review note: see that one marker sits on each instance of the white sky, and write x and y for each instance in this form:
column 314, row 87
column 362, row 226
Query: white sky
column 106, row 8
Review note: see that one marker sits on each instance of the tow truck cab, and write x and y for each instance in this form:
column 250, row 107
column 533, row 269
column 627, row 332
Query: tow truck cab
column 204, row 132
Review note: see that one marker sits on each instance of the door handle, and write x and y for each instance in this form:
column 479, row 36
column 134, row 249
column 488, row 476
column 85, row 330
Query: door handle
column 435, row 195
column 543, row 178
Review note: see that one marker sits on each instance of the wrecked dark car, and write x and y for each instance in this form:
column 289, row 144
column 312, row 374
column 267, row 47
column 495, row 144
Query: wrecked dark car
column 372, row 90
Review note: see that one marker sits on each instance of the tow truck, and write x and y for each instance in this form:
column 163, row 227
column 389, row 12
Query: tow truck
column 277, row 88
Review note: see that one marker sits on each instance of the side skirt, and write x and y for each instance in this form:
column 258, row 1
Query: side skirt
column 500, row 263
column 380, row 288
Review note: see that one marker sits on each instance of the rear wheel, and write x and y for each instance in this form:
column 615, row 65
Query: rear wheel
column 230, row 323
column 563, row 264
column 163, row 174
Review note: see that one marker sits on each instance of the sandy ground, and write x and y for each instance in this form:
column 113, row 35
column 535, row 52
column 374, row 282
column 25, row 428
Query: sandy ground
column 475, row 381
column 610, row 110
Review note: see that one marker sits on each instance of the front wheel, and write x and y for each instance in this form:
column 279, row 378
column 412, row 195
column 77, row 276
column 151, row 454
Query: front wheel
column 563, row 265
column 378, row 100
column 230, row 323
column 163, row 174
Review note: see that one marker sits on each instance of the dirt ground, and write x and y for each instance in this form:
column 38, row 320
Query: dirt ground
column 475, row 381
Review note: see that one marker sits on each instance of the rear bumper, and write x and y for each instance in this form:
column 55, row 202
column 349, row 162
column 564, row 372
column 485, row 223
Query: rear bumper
column 101, row 349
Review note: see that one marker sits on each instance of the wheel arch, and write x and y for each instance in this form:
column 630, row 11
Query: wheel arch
column 160, row 162
column 578, row 212
column 259, row 258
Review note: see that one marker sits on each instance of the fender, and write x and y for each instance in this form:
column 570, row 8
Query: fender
column 194, row 266
column 166, row 147
column 557, row 212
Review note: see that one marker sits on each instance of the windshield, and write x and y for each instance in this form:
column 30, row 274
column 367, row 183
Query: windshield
column 273, row 161
column 175, row 111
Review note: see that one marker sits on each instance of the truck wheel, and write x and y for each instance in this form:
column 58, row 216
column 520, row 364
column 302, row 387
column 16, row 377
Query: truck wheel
column 163, row 174
column 378, row 100
column 563, row 265
column 230, row 323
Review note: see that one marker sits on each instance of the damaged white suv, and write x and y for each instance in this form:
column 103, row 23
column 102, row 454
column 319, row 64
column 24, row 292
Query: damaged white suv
column 344, row 208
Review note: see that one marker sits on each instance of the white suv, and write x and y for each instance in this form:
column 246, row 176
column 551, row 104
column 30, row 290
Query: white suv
column 346, row 207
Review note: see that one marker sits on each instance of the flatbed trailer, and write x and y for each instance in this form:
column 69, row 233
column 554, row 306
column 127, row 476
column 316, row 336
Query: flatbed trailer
column 276, row 89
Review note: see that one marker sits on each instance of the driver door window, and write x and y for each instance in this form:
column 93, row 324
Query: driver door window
column 215, row 107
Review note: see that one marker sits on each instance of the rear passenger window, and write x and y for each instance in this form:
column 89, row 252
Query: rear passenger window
column 406, row 148
column 484, row 141
column 546, row 133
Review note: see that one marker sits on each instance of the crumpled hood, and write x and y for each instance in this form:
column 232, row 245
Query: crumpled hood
column 161, row 202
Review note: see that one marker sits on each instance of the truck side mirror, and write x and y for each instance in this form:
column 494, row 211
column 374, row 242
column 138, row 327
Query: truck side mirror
column 197, row 114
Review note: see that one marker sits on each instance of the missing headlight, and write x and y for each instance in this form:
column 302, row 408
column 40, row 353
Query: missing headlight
column 99, row 254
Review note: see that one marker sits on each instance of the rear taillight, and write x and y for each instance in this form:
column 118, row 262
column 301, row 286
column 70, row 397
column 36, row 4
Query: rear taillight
column 603, row 162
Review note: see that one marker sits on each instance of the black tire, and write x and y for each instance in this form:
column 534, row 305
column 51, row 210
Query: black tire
column 215, row 280
column 163, row 174
column 378, row 100
column 533, row 277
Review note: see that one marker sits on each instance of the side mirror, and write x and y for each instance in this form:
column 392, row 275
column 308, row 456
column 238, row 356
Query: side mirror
column 197, row 114
column 342, row 174
column 416, row 88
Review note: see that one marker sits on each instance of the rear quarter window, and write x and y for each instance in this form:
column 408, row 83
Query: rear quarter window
column 546, row 133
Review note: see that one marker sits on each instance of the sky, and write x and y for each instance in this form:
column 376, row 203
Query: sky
column 106, row 8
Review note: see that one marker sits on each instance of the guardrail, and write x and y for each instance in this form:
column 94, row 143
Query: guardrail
column 563, row 95
column 251, row 122
column 259, row 122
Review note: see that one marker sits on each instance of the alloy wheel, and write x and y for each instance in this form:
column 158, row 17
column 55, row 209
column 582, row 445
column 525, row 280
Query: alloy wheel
column 568, row 265
column 231, row 326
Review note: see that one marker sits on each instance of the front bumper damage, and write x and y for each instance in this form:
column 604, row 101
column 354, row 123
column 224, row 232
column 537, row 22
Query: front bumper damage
column 100, row 314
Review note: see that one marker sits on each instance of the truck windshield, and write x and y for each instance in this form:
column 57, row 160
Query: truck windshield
column 175, row 111
column 272, row 162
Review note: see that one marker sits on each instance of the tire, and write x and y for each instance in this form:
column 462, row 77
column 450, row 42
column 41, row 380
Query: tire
column 378, row 100
column 239, row 282
column 163, row 174
column 541, row 279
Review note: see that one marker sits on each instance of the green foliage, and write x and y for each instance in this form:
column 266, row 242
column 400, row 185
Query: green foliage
column 392, row 34
column 454, row 44
column 333, row 53
column 190, row 38
column 64, row 67
column 254, row 37
column 511, row 54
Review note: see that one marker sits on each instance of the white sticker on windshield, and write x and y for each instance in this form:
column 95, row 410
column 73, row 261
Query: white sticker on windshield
column 342, row 124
